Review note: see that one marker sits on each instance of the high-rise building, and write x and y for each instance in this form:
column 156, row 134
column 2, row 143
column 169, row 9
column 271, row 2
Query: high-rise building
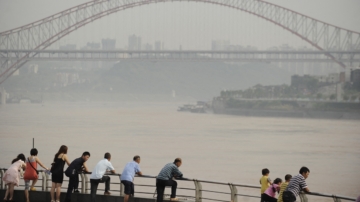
column 134, row 42
column 220, row 45
column 108, row 44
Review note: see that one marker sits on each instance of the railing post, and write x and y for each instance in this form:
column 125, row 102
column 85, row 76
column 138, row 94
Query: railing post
column 303, row 197
column 47, row 182
column 336, row 199
column 43, row 181
column 82, row 183
column 1, row 176
column 86, row 187
column 233, row 190
column 198, row 191
column 121, row 188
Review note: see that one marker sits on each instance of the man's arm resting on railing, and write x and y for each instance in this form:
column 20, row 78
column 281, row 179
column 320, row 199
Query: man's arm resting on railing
column 306, row 190
column 139, row 173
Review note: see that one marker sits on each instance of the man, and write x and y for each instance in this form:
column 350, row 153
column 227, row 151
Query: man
column 164, row 179
column 296, row 185
column 97, row 176
column 75, row 167
column 127, row 176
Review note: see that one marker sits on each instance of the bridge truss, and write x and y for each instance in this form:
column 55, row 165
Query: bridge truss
column 41, row 34
column 345, row 57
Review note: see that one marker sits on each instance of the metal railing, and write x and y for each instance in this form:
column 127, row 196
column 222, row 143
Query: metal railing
column 201, row 190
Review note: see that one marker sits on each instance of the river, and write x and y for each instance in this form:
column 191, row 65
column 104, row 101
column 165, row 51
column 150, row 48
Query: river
column 213, row 147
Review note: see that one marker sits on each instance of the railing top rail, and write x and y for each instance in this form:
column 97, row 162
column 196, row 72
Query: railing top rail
column 224, row 183
column 185, row 51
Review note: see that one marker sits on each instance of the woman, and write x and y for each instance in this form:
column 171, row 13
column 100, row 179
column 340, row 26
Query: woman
column 11, row 176
column 57, row 171
column 30, row 172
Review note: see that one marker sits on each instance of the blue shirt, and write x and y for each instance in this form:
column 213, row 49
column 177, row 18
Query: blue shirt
column 169, row 171
column 129, row 171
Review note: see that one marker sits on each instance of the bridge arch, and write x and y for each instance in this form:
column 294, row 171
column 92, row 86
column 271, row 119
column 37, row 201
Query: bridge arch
column 42, row 33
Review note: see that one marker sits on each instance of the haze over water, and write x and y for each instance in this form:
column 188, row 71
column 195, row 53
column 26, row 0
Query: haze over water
column 213, row 147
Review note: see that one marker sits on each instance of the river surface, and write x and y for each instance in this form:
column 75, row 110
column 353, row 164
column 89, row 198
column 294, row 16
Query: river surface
column 213, row 147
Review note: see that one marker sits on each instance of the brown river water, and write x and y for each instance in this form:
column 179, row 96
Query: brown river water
column 213, row 147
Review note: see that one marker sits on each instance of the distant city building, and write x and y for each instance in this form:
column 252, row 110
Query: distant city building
column 355, row 76
column 159, row 45
column 220, row 45
column 33, row 69
column 68, row 47
column 108, row 44
column 148, row 47
column 91, row 46
column 134, row 42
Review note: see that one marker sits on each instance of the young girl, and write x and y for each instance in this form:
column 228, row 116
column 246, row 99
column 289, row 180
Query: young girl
column 57, row 171
column 269, row 194
column 30, row 172
column 11, row 177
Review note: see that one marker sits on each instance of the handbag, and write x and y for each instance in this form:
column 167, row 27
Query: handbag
column 37, row 172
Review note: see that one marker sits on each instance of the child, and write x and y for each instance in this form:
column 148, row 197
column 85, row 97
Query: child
column 269, row 194
column 265, row 180
column 283, row 187
column 11, row 177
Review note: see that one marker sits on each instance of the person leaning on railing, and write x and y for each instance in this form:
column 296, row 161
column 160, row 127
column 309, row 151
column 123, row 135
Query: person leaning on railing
column 11, row 176
column 97, row 176
column 164, row 179
column 72, row 172
column 127, row 176
column 31, row 172
column 296, row 185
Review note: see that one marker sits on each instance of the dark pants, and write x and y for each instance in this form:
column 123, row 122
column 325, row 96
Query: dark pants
column 95, row 183
column 73, row 184
column 160, row 187
column 267, row 198
column 288, row 196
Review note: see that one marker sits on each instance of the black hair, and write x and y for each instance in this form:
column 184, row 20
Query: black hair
column 304, row 170
column 107, row 155
column 177, row 160
column 33, row 152
column 288, row 177
column 86, row 153
column 136, row 157
column 276, row 181
column 19, row 157
column 265, row 171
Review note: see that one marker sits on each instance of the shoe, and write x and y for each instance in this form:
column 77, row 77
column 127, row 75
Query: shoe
column 174, row 199
column 107, row 193
column 32, row 189
column 76, row 191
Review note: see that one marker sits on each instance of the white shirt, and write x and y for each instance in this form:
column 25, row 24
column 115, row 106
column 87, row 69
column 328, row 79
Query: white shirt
column 100, row 169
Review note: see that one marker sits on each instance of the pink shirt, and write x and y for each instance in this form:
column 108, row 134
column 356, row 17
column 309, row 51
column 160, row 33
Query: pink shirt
column 270, row 191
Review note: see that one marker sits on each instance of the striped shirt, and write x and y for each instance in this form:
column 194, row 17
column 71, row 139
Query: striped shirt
column 169, row 171
column 282, row 189
column 296, row 184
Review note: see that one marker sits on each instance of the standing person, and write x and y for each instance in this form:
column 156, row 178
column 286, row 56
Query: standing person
column 127, row 176
column 97, row 176
column 164, row 179
column 283, row 187
column 11, row 176
column 78, row 165
column 57, row 172
column 269, row 194
column 31, row 172
column 265, row 181
column 296, row 185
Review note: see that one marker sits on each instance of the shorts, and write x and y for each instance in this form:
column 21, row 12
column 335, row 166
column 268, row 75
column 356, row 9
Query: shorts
column 288, row 196
column 129, row 187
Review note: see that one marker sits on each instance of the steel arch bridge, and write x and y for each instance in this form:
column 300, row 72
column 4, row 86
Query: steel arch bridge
column 41, row 34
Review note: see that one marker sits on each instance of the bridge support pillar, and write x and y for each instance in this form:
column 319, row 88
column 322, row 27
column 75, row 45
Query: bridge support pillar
column 3, row 96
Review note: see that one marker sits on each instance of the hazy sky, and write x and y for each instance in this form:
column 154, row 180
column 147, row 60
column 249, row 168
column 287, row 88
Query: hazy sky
column 192, row 25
